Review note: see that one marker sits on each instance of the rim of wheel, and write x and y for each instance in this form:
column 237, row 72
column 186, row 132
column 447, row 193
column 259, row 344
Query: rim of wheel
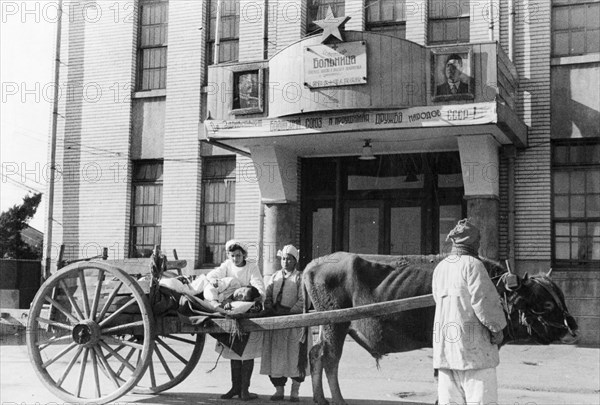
column 174, row 357
column 89, row 333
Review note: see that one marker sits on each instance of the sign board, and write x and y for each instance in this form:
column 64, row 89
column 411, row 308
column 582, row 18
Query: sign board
column 340, row 64
column 413, row 117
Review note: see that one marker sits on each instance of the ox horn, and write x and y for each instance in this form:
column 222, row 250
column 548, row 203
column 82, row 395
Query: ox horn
column 549, row 272
column 508, row 266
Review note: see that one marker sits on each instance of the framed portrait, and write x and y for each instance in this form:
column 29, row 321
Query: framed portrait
column 247, row 92
column 452, row 74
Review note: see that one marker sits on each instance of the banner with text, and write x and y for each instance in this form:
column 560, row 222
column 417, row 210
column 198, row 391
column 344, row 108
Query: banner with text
column 414, row 117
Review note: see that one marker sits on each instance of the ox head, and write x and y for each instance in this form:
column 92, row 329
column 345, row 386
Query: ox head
column 536, row 309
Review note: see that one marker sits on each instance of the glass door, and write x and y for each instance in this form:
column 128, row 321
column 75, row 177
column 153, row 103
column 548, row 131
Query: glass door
column 364, row 225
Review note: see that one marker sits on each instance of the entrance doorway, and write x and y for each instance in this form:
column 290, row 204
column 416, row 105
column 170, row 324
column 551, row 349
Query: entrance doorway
column 396, row 204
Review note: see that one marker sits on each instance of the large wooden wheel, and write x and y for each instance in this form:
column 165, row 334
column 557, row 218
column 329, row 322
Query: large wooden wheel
column 174, row 357
column 90, row 333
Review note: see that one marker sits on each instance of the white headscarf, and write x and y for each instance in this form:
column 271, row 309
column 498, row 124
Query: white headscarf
column 289, row 250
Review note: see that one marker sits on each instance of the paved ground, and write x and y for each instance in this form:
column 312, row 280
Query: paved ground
column 528, row 375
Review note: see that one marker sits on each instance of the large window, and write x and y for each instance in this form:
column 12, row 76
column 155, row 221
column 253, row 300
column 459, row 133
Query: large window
column 575, row 27
column 228, row 25
column 449, row 21
column 147, row 207
column 576, row 203
column 317, row 10
column 387, row 16
column 152, row 51
column 218, row 208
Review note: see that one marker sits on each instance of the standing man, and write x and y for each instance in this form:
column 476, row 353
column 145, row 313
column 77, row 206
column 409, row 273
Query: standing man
column 453, row 72
column 468, row 323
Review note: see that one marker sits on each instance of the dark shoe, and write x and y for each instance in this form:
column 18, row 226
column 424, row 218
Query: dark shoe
column 247, row 367
column 278, row 396
column 236, row 380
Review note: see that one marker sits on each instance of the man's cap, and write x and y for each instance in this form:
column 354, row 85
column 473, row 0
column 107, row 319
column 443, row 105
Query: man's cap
column 289, row 250
column 465, row 234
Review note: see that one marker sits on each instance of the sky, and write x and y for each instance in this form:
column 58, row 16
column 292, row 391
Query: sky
column 27, row 44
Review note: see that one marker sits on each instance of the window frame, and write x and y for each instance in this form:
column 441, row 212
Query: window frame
column 570, row 30
column 386, row 26
column 461, row 18
column 574, row 166
column 141, row 49
column 229, row 223
column 157, row 225
column 232, row 40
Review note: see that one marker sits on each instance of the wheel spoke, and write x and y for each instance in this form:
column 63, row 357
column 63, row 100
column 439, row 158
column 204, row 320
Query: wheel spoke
column 110, row 373
column 82, row 370
column 152, row 375
column 117, row 356
column 113, row 329
column 61, row 309
column 59, row 354
column 114, row 341
column 180, row 339
column 118, row 311
column 54, row 323
column 163, row 362
column 126, row 358
column 86, row 304
column 170, row 350
column 69, row 367
column 71, row 299
column 97, row 294
column 96, row 377
column 54, row 341
column 108, row 302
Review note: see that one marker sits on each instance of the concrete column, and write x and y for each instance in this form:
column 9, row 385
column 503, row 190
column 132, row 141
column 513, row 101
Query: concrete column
column 484, row 213
column 280, row 230
column 480, row 162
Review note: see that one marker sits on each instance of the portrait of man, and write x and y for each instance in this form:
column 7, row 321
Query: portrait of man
column 452, row 75
column 246, row 91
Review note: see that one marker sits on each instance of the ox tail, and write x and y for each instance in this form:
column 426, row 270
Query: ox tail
column 303, row 349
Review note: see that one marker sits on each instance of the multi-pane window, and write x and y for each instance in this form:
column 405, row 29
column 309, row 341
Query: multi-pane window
column 576, row 203
column 317, row 10
column 152, row 50
column 218, row 208
column 387, row 16
column 147, row 207
column 228, row 25
column 575, row 27
column 449, row 21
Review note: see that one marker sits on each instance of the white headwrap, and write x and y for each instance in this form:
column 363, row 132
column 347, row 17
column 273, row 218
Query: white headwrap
column 289, row 250
column 234, row 242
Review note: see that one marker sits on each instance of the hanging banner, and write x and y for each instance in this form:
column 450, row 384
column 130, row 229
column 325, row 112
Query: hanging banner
column 414, row 117
column 340, row 64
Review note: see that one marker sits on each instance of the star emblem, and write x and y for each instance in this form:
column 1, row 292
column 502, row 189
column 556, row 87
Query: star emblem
column 331, row 25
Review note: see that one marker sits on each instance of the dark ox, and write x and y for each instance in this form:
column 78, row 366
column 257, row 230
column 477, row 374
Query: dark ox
column 534, row 306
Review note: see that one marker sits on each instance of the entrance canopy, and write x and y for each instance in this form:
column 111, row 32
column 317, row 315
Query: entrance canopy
column 413, row 129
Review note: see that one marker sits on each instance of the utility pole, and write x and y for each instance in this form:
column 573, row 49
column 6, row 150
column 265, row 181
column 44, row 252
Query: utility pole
column 50, row 195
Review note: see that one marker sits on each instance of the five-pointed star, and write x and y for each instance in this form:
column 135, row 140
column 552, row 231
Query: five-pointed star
column 331, row 25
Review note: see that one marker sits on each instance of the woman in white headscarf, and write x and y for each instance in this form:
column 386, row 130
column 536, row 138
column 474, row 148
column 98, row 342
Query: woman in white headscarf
column 281, row 348
column 248, row 274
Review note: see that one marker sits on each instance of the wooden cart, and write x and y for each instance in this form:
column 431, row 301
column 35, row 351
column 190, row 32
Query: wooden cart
column 92, row 335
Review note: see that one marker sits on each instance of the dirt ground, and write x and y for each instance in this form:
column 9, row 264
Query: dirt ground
column 527, row 375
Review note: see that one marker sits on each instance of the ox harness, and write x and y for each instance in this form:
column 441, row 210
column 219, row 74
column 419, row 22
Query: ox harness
column 511, row 287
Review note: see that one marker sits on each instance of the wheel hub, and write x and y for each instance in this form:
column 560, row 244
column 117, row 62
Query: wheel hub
column 86, row 333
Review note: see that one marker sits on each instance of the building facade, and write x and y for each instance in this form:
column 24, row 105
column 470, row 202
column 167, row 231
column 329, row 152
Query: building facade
column 358, row 125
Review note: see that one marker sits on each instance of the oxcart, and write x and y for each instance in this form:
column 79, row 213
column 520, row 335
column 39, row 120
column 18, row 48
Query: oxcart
column 93, row 334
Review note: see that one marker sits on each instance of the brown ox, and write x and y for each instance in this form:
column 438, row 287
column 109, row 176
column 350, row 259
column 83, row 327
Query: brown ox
column 535, row 308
